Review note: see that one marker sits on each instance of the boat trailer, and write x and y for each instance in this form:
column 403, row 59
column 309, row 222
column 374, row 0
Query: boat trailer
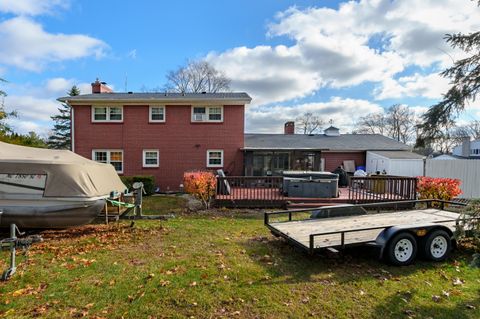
column 12, row 243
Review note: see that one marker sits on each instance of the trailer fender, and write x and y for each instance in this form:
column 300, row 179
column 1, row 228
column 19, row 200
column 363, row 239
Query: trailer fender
column 383, row 238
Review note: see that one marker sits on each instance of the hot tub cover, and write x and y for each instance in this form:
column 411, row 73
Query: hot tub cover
column 68, row 174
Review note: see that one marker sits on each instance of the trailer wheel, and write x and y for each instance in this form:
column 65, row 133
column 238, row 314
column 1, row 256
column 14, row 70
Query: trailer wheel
column 402, row 249
column 437, row 245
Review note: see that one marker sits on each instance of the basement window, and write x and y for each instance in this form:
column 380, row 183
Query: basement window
column 113, row 157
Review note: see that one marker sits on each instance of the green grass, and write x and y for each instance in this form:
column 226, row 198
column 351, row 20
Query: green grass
column 223, row 265
column 163, row 204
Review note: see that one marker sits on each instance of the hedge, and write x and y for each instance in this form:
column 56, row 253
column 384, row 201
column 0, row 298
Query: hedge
column 147, row 180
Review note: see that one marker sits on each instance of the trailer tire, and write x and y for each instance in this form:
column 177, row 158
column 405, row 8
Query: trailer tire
column 437, row 245
column 402, row 249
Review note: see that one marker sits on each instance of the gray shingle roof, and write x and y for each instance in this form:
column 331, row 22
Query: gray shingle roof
column 399, row 154
column 159, row 97
column 344, row 142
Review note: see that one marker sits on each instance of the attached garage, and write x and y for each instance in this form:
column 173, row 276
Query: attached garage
column 398, row 163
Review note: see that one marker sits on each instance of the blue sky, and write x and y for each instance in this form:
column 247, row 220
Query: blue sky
column 339, row 60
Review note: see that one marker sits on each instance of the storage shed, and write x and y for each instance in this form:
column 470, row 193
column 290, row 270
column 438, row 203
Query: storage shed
column 398, row 163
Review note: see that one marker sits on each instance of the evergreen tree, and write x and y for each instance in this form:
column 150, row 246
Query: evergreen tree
column 4, row 127
column 465, row 76
column 61, row 137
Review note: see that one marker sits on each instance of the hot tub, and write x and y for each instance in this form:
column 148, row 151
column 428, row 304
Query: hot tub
column 314, row 184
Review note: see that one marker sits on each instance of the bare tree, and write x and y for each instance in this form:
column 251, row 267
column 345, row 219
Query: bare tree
column 197, row 77
column 308, row 123
column 471, row 129
column 398, row 122
column 401, row 123
column 373, row 123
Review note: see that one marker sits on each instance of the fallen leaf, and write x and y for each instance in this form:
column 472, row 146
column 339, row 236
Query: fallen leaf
column 458, row 282
column 436, row 298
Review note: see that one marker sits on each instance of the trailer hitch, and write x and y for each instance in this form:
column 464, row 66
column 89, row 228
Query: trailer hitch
column 12, row 243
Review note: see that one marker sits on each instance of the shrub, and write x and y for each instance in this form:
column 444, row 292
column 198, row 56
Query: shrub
column 201, row 184
column 471, row 224
column 148, row 182
column 438, row 188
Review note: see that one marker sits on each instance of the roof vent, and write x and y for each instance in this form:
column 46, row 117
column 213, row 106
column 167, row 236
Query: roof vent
column 204, row 92
column 130, row 92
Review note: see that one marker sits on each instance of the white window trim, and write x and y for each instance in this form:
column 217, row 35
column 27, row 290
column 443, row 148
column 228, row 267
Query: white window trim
column 150, row 114
column 108, row 114
column 144, row 158
column 207, row 112
column 108, row 151
column 208, row 158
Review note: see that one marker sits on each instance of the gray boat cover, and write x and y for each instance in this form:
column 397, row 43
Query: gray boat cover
column 68, row 174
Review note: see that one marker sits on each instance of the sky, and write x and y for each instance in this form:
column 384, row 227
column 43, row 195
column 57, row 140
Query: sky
column 339, row 60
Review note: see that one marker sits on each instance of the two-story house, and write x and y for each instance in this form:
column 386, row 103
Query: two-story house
column 159, row 134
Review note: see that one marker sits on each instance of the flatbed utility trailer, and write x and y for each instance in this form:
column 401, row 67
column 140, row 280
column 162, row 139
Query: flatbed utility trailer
column 400, row 234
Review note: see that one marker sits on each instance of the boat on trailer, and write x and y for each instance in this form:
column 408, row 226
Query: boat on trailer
column 41, row 188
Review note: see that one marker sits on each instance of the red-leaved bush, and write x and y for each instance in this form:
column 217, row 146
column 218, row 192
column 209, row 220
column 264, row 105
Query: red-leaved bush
column 438, row 188
column 201, row 184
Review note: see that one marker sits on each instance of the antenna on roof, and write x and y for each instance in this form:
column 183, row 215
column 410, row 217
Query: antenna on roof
column 126, row 82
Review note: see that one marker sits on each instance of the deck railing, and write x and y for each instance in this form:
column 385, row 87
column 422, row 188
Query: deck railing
column 250, row 191
column 381, row 188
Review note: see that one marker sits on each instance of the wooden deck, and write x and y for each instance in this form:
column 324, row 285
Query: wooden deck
column 245, row 196
column 300, row 231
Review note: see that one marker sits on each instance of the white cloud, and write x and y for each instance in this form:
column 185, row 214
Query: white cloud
column 26, row 45
column 32, row 7
column 36, row 104
column 132, row 54
column 61, row 86
column 430, row 86
column 364, row 41
column 343, row 111
column 31, row 108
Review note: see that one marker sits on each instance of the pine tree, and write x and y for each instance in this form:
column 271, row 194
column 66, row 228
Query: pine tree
column 465, row 76
column 61, row 137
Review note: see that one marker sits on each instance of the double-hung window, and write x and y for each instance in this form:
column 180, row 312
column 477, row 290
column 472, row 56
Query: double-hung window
column 214, row 158
column 107, row 114
column 114, row 157
column 150, row 158
column 207, row 114
column 157, row 113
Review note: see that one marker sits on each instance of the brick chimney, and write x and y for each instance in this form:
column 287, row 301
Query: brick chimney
column 100, row 87
column 289, row 128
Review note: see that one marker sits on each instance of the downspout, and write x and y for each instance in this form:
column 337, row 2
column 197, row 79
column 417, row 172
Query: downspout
column 72, row 128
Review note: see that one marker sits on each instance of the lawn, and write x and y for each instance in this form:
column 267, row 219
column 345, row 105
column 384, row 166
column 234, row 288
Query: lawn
column 223, row 264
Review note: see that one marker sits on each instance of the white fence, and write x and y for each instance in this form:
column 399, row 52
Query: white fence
column 468, row 171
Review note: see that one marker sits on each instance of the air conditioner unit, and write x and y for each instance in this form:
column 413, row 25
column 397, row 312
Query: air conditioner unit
column 199, row 117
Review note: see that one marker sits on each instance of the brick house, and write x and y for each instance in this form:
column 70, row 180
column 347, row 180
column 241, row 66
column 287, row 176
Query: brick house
column 160, row 134
column 167, row 134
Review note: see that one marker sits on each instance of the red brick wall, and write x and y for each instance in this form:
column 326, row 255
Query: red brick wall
column 182, row 145
column 335, row 159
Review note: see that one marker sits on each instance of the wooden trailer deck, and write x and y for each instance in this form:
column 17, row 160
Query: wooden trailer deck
column 328, row 232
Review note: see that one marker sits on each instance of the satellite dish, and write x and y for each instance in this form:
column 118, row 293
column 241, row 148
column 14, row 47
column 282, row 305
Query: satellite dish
column 137, row 185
